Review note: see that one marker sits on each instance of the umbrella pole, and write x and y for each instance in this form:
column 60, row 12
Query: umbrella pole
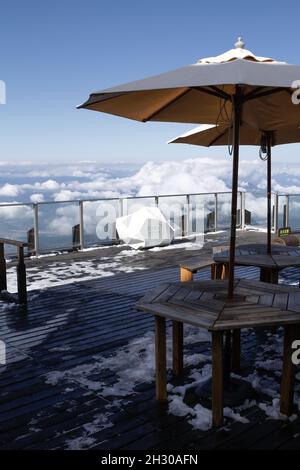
column 237, row 105
column 269, row 194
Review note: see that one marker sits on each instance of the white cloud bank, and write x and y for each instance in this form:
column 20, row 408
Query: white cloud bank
column 89, row 180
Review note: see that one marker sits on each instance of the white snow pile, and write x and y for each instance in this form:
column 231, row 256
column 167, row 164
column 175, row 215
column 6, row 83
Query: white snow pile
column 133, row 365
column 58, row 273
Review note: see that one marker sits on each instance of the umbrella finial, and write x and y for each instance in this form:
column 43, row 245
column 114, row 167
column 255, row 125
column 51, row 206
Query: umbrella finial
column 240, row 43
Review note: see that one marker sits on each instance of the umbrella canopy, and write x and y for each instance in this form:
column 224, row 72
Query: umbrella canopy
column 208, row 135
column 202, row 92
column 236, row 85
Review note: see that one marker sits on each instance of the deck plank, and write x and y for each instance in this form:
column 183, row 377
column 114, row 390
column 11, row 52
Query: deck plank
column 68, row 327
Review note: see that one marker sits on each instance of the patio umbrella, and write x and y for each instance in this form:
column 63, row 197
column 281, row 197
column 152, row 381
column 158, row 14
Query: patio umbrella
column 208, row 135
column 236, row 84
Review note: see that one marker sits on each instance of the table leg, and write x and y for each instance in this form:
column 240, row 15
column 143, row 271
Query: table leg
column 217, row 378
column 236, row 351
column 227, row 356
column 265, row 275
column 274, row 276
column 177, row 348
column 213, row 275
column 225, row 271
column 185, row 275
column 160, row 359
column 218, row 271
column 291, row 332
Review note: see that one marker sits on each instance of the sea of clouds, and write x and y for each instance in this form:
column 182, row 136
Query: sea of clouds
column 32, row 183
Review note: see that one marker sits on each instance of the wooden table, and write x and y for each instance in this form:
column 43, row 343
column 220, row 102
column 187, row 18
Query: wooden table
column 204, row 304
column 256, row 255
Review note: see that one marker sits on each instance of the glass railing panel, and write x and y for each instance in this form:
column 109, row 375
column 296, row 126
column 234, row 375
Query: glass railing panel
column 56, row 221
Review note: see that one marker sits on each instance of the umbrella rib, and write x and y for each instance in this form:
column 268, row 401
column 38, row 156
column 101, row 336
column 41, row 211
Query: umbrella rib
column 254, row 95
column 88, row 103
column 173, row 100
column 214, row 91
column 219, row 136
column 222, row 93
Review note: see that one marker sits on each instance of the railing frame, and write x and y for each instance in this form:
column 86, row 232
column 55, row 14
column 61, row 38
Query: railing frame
column 185, row 219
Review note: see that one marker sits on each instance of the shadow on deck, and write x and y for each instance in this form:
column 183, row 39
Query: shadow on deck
column 79, row 374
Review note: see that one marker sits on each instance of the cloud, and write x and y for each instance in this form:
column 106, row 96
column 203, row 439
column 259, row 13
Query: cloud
column 15, row 212
column 9, row 190
column 37, row 197
column 89, row 180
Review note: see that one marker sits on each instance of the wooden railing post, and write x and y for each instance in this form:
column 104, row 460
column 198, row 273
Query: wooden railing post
column 3, row 280
column 21, row 277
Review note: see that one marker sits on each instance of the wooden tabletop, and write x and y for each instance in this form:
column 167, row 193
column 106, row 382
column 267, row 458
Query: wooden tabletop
column 256, row 255
column 205, row 304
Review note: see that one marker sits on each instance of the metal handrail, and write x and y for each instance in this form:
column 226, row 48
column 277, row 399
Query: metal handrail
column 73, row 201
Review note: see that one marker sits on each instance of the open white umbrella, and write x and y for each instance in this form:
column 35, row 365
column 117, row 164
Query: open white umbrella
column 237, row 84
column 208, row 135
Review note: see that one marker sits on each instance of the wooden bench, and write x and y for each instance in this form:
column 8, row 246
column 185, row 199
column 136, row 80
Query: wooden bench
column 190, row 267
column 21, row 272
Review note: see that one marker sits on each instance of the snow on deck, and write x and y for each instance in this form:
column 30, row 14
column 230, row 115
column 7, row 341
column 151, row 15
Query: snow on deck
column 80, row 361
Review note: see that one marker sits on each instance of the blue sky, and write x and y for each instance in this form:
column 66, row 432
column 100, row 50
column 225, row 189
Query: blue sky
column 52, row 54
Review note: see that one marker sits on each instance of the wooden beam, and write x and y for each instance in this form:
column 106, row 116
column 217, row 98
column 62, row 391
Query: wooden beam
column 8, row 241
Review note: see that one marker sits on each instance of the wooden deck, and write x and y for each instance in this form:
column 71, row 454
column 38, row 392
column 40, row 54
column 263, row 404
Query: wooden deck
column 52, row 386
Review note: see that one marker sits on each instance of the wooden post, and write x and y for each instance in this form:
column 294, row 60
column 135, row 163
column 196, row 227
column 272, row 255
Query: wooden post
column 160, row 359
column 21, row 277
column 177, row 348
column 3, row 280
column 185, row 275
column 288, row 370
column 236, row 351
column 237, row 104
column 217, row 378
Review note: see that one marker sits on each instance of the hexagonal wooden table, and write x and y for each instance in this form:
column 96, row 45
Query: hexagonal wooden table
column 256, row 255
column 205, row 304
